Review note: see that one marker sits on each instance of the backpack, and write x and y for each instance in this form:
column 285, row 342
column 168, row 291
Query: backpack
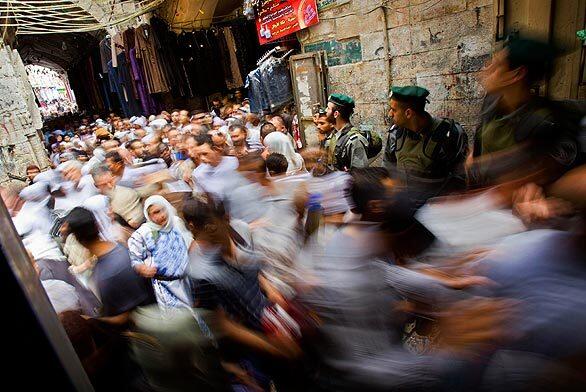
column 451, row 145
column 375, row 142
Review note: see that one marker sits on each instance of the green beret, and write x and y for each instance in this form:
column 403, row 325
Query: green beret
column 528, row 52
column 342, row 100
column 414, row 92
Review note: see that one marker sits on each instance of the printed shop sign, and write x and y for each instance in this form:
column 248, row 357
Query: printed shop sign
column 279, row 18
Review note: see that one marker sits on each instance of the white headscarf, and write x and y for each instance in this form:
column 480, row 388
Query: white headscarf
column 33, row 223
column 141, row 121
column 218, row 122
column 99, row 205
column 173, row 221
column 158, row 124
column 34, row 214
column 278, row 142
column 69, row 164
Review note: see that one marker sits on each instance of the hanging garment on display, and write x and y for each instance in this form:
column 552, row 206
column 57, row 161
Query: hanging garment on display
column 125, row 79
column 168, row 50
column 187, row 58
column 105, row 90
column 122, row 81
column 128, row 38
column 235, row 79
column 195, row 56
column 115, row 88
column 246, row 40
column 117, row 47
column 93, row 93
column 217, row 80
column 146, row 100
column 118, row 41
column 146, row 51
column 224, row 54
column 99, row 79
column 105, row 54
column 259, row 102
column 269, row 86
column 276, row 80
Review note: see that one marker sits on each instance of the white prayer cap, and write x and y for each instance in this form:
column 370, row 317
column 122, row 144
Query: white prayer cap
column 70, row 164
column 158, row 124
column 218, row 122
column 121, row 134
column 141, row 121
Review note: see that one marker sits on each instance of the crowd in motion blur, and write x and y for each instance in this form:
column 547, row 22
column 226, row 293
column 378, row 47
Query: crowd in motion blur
column 209, row 251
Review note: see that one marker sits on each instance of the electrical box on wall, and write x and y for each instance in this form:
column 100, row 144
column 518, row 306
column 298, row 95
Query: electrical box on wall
column 309, row 79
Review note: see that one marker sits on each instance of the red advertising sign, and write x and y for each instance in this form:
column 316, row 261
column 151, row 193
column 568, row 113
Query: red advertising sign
column 278, row 18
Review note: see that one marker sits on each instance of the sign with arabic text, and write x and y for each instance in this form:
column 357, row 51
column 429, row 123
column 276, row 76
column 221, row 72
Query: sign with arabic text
column 323, row 5
column 279, row 18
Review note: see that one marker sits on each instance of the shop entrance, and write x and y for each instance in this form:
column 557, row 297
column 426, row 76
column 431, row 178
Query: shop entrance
column 52, row 91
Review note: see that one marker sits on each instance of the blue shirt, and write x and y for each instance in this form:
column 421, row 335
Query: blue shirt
column 545, row 271
column 218, row 284
column 120, row 288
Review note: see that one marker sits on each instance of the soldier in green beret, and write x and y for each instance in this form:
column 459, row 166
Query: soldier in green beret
column 427, row 148
column 522, row 137
column 346, row 147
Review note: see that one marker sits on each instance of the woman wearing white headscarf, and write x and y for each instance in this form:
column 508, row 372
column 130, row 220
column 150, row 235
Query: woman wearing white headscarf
column 277, row 142
column 159, row 250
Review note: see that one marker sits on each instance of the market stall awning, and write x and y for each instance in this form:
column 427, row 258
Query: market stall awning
column 70, row 16
column 196, row 14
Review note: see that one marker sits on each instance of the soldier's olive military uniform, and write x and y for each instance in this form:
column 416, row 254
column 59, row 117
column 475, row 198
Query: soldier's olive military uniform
column 532, row 139
column 349, row 149
column 422, row 154
column 346, row 148
column 389, row 157
column 433, row 156
column 539, row 137
column 329, row 146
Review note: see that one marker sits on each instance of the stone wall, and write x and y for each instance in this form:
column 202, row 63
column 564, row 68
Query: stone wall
column 20, row 119
column 440, row 45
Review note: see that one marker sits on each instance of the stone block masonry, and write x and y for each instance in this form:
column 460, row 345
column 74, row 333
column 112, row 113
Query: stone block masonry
column 20, row 119
column 440, row 45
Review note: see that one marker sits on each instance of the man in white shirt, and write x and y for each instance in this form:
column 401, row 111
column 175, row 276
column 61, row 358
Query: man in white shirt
column 76, row 188
column 253, row 126
column 216, row 173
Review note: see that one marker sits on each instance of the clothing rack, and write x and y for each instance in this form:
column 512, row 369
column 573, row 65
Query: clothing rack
column 265, row 56
column 287, row 54
column 276, row 49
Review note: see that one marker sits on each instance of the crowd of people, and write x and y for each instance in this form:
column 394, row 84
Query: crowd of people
column 207, row 251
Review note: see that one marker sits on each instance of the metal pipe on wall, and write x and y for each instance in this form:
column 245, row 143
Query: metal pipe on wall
column 386, row 51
